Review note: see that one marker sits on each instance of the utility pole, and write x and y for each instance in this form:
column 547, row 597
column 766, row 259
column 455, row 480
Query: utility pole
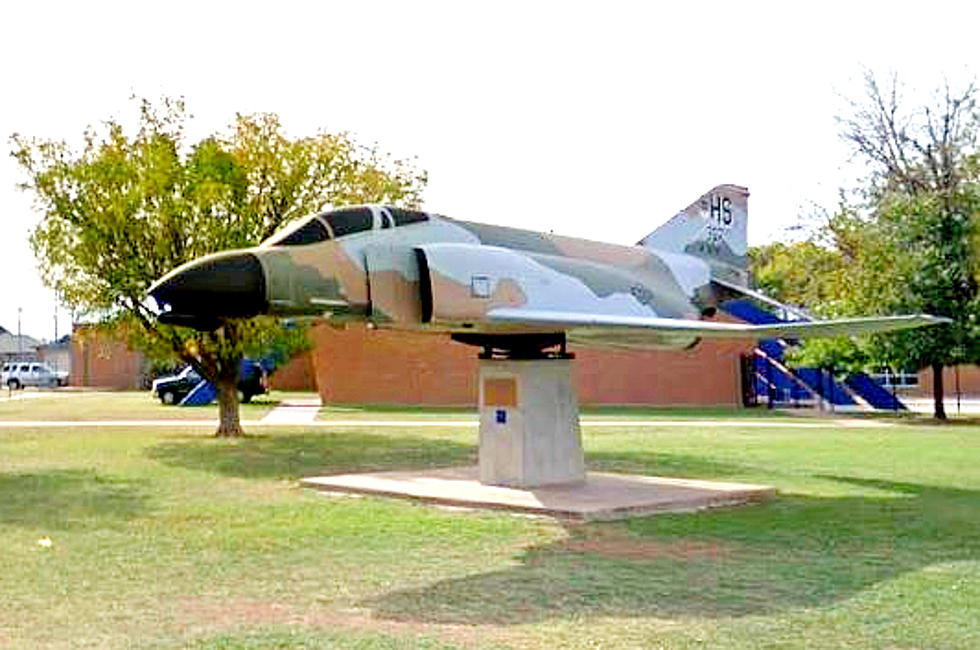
column 20, row 341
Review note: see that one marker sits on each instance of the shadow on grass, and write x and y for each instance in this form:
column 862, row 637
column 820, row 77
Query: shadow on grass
column 335, row 452
column 311, row 454
column 793, row 552
column 63, row 499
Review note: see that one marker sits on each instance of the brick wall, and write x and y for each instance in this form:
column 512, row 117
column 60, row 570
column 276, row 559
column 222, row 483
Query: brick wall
column 296, row 374
column 357, row 365
column 104, row 362
column 362, row 366
column 98, row 360
column 969, row 381
column 708, row 374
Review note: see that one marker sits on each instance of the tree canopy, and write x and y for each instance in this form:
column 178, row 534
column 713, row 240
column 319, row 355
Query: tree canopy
column 908, row 241
column 130, row 205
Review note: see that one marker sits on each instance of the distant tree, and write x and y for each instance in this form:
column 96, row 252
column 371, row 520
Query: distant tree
column 921, row 203
column 817, row 277
column 129, row 207
column 804, row 273
column 907, row 244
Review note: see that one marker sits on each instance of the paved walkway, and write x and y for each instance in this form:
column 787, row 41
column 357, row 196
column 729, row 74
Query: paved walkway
column 17, row 395
column 31, row 392
column 294, row 411
column 303, row 418
column 966, row 406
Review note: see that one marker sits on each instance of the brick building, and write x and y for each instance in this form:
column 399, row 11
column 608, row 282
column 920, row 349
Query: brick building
column 965, row 379
column 101, row 361
column 357, row 365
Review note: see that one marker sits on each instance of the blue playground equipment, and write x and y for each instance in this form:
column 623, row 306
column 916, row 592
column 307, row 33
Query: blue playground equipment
column 205, row 392
column 769, row 378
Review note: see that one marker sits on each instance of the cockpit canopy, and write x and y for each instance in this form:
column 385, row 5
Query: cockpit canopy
column 342, row 222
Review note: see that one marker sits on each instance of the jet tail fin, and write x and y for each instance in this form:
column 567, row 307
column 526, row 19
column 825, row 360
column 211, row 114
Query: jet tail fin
column 712, row 228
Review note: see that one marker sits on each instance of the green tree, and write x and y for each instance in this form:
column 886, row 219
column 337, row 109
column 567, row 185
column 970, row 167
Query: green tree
column 919, row 236
column 816, row 277
column 907, row 244
column 805, row 274
column 128, row 207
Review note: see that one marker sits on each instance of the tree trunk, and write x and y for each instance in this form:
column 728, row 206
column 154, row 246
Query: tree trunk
column 229, row 424
column 937, row 391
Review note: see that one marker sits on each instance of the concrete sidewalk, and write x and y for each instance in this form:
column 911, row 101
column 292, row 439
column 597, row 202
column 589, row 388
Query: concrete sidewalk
column 305, row 417
column 32, row 393
column 965, row 406
column 294, row 411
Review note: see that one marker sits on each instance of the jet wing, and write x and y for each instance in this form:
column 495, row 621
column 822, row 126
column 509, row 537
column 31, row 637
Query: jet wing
column 636, row 325
column 761, row 297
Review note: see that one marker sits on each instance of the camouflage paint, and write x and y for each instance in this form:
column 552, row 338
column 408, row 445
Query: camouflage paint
column 375, row 274
column 513, row 238
column 393, row 284
column 312, row 279
column 439, row 274
column 713, row 228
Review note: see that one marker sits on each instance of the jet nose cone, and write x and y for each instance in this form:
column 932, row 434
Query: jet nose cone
column 230, row 285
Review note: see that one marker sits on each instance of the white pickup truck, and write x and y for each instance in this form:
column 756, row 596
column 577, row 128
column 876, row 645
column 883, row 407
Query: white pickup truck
column 18, row 374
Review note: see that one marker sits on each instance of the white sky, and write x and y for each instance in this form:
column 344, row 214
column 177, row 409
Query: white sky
column 598, row 120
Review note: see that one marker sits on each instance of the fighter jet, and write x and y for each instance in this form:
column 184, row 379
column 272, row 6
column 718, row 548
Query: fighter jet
column 510, row 291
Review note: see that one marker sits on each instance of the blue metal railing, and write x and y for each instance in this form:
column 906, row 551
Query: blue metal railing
column 782, row 386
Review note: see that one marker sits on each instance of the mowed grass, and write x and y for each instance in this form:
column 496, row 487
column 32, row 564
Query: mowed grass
column 175, row 539
column 68, row 405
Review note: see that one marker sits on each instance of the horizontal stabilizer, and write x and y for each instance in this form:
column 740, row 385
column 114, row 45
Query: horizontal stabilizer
column 710, row 329
column 763, row 298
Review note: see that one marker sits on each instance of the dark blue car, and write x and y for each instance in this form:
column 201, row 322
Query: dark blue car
column 252, row 381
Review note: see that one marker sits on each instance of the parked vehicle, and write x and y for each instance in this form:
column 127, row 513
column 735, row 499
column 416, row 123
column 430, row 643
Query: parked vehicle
column 19, row 374
column 173, row 389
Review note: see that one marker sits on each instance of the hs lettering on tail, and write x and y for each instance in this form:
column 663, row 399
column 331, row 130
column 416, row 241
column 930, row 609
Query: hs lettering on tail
column 720, row 210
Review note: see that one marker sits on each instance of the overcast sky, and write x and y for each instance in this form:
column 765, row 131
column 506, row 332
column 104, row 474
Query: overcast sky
column 598, row 120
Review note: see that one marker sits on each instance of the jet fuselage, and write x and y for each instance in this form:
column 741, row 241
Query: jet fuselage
column 412, row 270
column 498, row 287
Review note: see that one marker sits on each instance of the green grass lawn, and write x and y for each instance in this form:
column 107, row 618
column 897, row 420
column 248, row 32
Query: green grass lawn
column 163, row 539
column 61, row 405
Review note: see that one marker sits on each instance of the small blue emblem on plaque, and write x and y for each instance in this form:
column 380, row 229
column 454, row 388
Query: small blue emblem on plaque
column 501, row 416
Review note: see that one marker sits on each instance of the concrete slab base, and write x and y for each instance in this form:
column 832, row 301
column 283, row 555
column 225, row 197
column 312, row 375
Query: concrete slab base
column 601, row 497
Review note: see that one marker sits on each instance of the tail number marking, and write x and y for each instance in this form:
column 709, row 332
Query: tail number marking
column 721, row 210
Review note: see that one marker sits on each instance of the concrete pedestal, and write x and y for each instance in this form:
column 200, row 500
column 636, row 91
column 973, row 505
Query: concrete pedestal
column 529, row 429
